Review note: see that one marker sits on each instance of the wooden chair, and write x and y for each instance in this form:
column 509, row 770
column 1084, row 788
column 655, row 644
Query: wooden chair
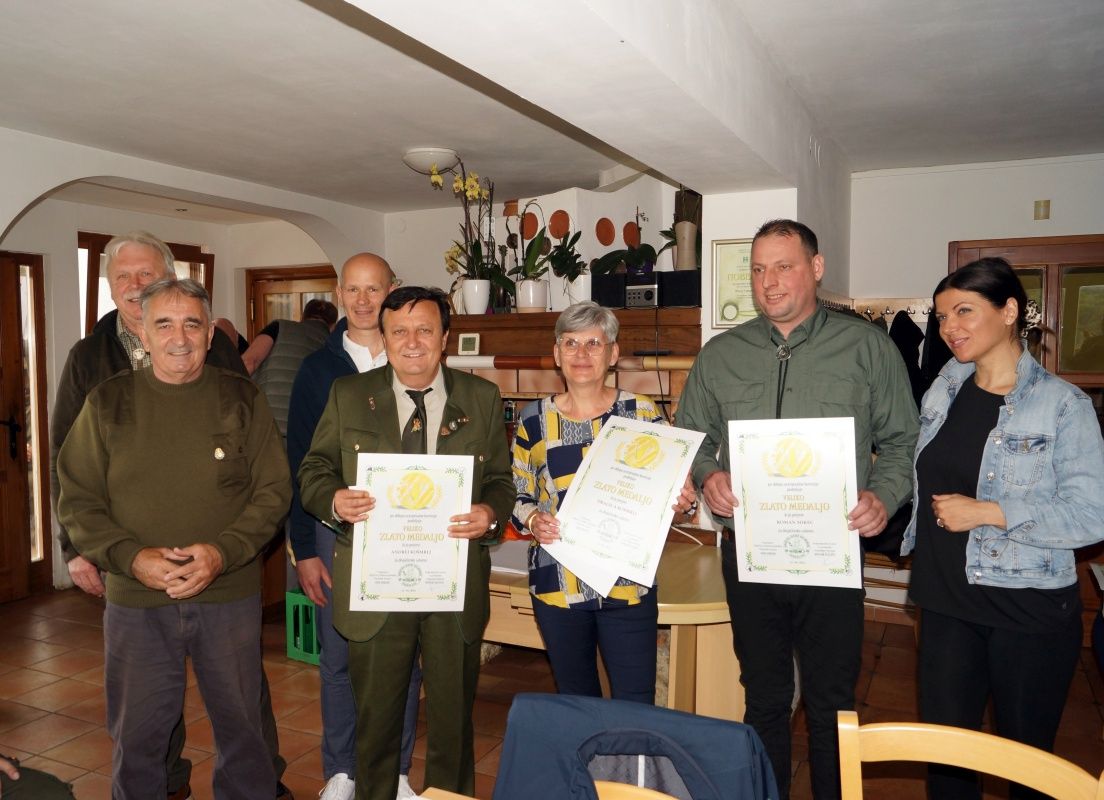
column 941, row 744
column 608, row 790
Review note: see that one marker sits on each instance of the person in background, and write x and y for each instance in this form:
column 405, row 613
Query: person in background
column 799, row 360
column 133, row 261
column 274, row 357
column 356, row 345
column 1009, row 481
column 553, row 436
column 173, row 478
column 227, row 327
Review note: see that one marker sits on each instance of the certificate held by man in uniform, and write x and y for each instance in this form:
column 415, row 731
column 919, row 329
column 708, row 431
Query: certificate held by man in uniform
column 795, row 480
column 403, row 557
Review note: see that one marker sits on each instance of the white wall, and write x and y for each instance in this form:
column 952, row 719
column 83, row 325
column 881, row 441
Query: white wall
column 736, row 216
column 270, row 244
column 902, row 220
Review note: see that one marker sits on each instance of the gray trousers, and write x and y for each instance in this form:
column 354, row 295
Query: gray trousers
column 338, row 704
column 144, row 683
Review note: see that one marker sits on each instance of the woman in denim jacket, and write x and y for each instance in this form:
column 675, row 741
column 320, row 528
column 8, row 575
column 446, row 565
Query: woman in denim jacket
column 1009, row 481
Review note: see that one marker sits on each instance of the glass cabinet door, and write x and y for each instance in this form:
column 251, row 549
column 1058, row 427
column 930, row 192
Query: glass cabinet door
column 1081, row 319
column 1034, row 283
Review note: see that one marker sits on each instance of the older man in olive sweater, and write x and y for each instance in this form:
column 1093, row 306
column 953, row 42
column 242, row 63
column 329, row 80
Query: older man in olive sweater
column 173, row 479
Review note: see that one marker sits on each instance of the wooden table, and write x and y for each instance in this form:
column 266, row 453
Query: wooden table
column 704, row 673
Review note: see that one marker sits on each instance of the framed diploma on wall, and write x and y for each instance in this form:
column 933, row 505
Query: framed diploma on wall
column 732, row 301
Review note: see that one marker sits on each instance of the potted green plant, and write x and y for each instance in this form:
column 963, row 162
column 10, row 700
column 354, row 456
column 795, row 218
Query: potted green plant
column 566, row 263
column 641, row 258
column 532, row 288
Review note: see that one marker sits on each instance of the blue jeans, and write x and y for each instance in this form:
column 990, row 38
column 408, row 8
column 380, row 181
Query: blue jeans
column 338, row 703
column 625, row 635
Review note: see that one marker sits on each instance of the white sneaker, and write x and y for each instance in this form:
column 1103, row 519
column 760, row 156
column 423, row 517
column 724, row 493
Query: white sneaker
column 405, row 792
column 339, row 787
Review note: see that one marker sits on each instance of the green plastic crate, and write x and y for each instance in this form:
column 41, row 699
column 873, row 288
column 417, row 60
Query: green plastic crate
column 302, row 639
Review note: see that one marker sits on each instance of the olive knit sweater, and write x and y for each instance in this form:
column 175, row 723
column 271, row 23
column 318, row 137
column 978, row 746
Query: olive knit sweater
column 152, row 464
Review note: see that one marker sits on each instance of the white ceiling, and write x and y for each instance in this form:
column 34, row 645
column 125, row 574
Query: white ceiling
column 311, row 97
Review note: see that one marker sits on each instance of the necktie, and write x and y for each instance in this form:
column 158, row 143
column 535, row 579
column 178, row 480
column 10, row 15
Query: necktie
column 414, row 434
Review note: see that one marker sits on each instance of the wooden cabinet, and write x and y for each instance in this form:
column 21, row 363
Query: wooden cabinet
column 677, row 330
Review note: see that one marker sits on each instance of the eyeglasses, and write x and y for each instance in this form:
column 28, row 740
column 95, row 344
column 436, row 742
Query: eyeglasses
column 591, row 346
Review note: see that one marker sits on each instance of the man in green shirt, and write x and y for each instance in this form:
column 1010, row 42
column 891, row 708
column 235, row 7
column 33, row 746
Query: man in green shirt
column 798, row 360
column 172, row 479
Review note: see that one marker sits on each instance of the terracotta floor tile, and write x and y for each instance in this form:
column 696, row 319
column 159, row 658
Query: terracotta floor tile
column 284, row 703
column 81, row 636
column 92, row 786
column 25, row 652
column 488, row 764
column 304, row 786
column 41, row 734
column 95, row 675
column 304, row 682
column 59, row 694
column 899, row 662
column 91, row 710
column 200, row 736
column 489, row 718
column 60, row 770
column 294, row 743
column 307, row 719
column 88, row 751
column 277, row 671
column 71, row 663
column 307, row 765
column 892, row 693
column 13, row 714
column 21, row 681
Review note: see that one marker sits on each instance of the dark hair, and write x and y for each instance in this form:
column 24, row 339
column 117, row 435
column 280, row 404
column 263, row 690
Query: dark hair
column 788, row 227
column 409, row 295
column 992, row 278
column 322, row 310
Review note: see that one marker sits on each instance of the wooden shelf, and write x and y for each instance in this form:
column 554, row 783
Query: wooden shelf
column 679, row 331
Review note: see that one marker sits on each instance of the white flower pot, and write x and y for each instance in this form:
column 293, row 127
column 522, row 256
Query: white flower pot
column 578, row 290
column 477, row 294
column 532, row 296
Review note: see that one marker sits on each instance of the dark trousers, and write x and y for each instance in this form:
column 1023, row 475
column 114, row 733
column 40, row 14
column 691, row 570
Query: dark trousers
column 380, row 673
column 180, row 769
column 338, row 702
column 625, row 635
column 144, row 681
column 823, row 627
column 1027, row 675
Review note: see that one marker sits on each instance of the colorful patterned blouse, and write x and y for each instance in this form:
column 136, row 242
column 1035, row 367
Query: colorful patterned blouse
column 548, row 450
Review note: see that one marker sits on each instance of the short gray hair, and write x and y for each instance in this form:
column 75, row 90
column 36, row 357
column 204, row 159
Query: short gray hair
column 184, row 286
column 112, row 248
column 588, row 314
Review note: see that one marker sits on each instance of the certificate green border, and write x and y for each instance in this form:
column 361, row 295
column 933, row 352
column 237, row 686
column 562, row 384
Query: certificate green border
column 729, row 250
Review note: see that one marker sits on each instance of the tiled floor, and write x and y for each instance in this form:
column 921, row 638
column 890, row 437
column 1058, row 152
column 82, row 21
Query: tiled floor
column 52, row 707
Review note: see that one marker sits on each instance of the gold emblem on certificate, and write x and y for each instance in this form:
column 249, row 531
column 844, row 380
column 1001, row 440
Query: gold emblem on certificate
column 795, row 480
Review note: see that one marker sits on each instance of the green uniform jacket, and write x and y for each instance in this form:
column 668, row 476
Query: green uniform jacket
column 361, row 417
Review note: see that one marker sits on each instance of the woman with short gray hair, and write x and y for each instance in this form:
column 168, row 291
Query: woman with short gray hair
column 553, row 435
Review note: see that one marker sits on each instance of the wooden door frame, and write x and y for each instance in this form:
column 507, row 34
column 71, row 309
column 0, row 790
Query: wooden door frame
column 255, row 275
column 39, row 575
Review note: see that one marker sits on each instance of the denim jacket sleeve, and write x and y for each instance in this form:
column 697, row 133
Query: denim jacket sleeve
column 1069, row 516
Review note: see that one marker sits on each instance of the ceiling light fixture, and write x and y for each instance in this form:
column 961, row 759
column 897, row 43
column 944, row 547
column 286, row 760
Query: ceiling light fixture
column 422, row 159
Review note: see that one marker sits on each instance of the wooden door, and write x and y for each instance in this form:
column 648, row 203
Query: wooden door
column 273, row 294
column 15, row 529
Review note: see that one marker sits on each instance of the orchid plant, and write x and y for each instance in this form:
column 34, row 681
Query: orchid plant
column 473, row 254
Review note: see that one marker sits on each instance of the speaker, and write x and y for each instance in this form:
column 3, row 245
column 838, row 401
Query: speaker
column 679, row 288
column 608, row 290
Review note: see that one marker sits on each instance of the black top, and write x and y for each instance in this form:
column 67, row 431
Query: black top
column 272, row 330
column 950, row 464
